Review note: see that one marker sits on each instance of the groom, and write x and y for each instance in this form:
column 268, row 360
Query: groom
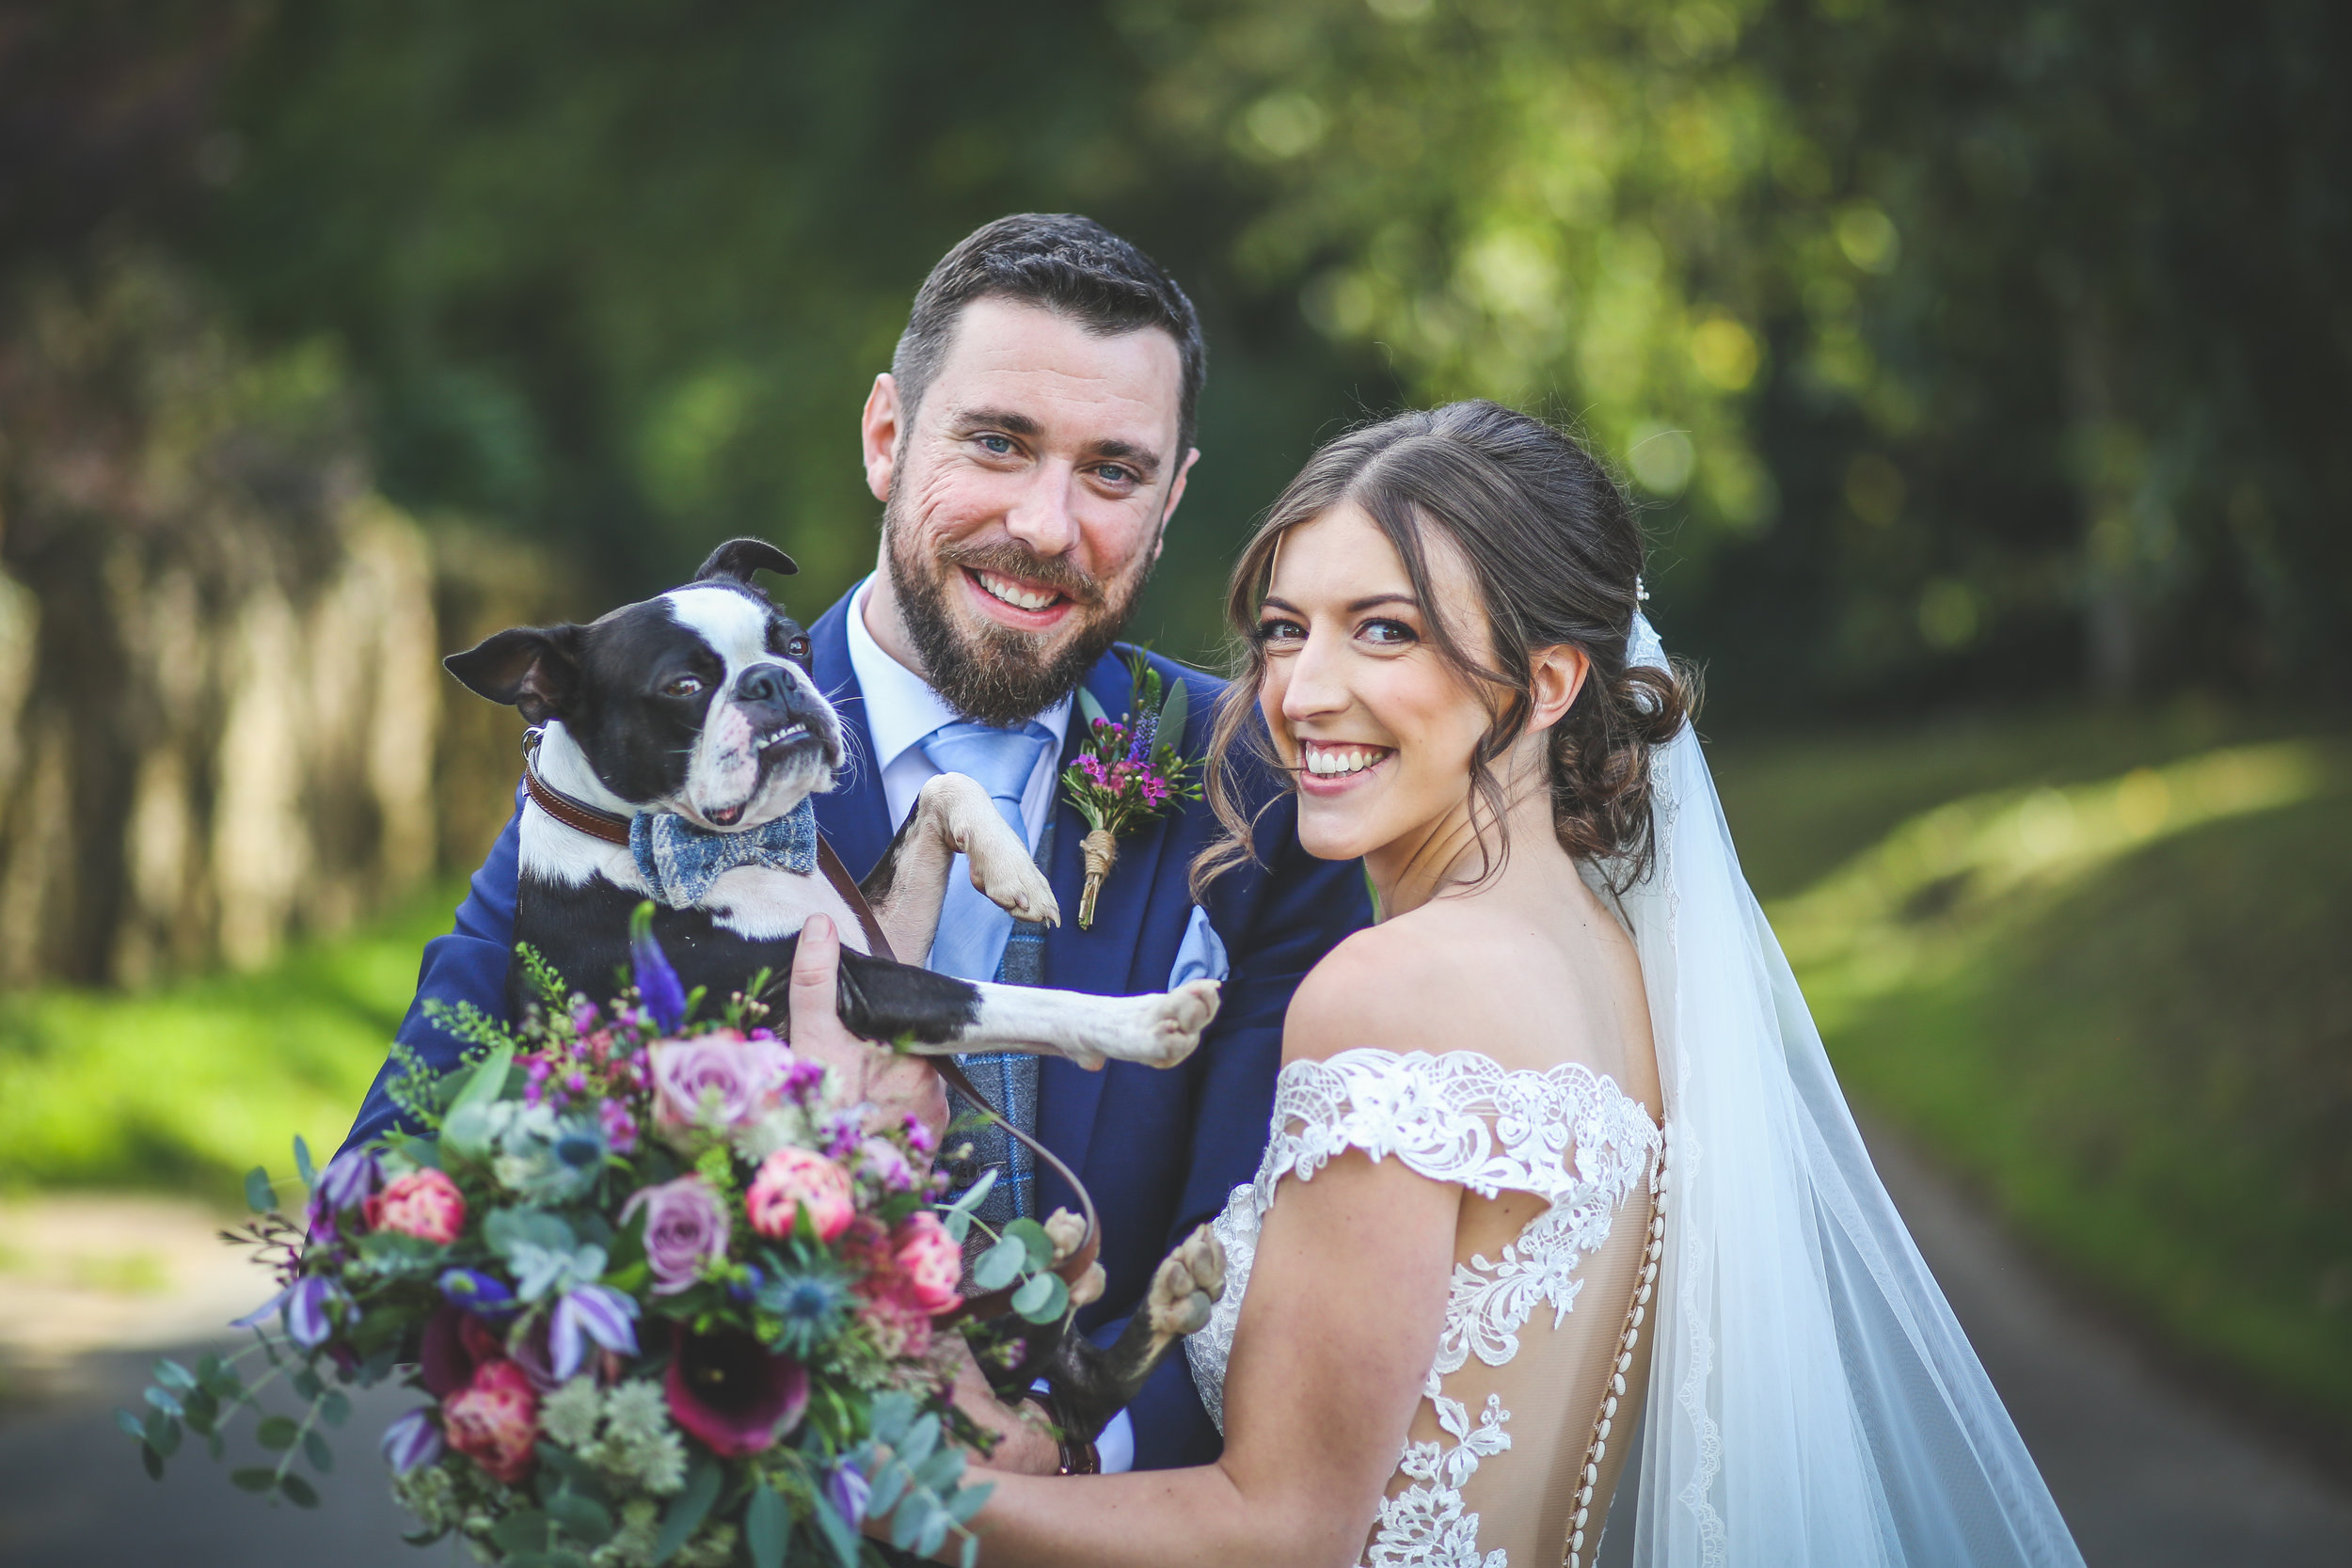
column 1029, row 445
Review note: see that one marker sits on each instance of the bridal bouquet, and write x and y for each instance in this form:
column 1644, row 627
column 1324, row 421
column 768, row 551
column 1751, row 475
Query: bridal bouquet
column 668, row 1299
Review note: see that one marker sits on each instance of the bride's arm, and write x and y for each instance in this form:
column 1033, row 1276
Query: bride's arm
column 1345, row 1302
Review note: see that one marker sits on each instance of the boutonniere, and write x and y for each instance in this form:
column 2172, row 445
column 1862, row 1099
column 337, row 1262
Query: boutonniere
column 1129, row 772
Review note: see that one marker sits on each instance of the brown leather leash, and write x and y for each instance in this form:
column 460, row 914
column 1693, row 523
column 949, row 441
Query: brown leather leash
column 613, row 828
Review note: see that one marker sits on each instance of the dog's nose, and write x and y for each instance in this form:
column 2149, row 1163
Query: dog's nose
column 762, row 683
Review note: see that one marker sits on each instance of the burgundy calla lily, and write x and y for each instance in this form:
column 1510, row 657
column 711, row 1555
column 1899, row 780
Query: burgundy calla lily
column 456, row 1342
column 728, row 1389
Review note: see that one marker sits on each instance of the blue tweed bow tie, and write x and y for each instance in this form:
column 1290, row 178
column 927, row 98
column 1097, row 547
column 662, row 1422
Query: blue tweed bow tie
column 680, row 861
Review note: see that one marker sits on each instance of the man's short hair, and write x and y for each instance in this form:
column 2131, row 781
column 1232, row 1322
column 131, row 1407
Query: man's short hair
column 1065, row 264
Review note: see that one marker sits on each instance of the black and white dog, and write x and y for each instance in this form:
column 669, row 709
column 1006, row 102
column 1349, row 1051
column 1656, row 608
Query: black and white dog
column 695, row 707
column 679, row 742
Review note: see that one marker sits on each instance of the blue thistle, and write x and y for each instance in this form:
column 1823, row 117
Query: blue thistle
column 656, row 982
column 1147, row 731
column 809, row 1309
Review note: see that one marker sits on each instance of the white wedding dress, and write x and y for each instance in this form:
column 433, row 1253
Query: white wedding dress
column 1491, row 1472
column 1809, row 1400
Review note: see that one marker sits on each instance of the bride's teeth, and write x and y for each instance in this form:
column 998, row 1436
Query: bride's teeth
column 1014, row 595
column 1327, row 761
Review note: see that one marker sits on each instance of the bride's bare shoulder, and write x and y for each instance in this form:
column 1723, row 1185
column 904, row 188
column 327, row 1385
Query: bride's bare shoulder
column 1425, row 981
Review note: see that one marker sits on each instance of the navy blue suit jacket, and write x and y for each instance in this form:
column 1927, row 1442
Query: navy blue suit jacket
column 1158, row 1150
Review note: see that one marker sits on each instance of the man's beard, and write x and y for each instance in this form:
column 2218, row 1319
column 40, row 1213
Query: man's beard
column 990, row 673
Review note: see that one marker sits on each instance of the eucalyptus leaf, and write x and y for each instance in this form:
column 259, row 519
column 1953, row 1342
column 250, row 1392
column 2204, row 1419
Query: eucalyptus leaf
column 253, row 1478
column 687, row 1510
column 837, row 1532
column 162, row 1434
column 152, row 1461
column 1043, row 1299
column 173, row 1376
column 971, row 1197
column 1001, row 1264
column 958, row 1224
column 298, row 1492
column 919, row 1442
column 315, row 1450
column 303, row 1168
column 890, row 1484
column 766, row 1525
column 334, row 1408
column 260, row 1196
column 907, row 1522
column 275, row 1432
column 1090, row 709
column 893, row 1413
column 129, row 1425
column 1032, row 1236
column 969, row 1500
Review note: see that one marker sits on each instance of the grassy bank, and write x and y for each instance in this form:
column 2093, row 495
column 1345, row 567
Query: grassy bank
column 2100, row 968
column 185, row 1087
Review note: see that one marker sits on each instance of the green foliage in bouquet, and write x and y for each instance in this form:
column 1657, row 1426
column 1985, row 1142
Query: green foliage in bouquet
column 669, row 1299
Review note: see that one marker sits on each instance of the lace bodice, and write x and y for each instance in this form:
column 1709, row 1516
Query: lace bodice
column 1567, row 1136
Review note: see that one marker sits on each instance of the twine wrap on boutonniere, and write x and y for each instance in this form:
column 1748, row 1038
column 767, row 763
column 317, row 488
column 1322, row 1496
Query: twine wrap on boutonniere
column 1128, row 773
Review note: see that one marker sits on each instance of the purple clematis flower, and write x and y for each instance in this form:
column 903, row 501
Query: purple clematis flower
column 309, row 1312
column 349, row 1179
column 847, row 1489
column 656, row 982
column 412, row 1441
column 590, row 1312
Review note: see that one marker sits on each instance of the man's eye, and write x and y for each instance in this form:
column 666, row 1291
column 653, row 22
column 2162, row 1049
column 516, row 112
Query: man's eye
column 996, row 446
column 685, row 685
column 1390, row 633
column 1111, row 473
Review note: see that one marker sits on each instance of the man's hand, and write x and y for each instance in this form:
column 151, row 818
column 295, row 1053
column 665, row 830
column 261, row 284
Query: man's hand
column 895, row 1085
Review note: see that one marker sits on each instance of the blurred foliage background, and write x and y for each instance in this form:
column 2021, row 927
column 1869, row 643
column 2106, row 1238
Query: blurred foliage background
column 1981, row 368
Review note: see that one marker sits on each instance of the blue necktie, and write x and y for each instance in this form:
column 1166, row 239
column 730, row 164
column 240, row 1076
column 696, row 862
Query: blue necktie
column 972, row 930
column 979, row 941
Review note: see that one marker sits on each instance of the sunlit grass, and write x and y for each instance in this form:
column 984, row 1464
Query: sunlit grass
column 2119, row 1005
column 185, row 1087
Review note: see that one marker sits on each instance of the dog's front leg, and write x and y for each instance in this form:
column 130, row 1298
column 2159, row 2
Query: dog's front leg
column 952, row 815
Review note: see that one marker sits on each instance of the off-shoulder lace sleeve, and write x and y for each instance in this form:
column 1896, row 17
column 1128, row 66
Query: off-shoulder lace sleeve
column 1568, row 1136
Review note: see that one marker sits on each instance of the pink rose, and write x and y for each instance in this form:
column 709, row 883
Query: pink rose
column 494, row 1420
column 929, row 1262
column 685, row 1226
column 793, row 1179
column 718, row 1083
column 423, row 1203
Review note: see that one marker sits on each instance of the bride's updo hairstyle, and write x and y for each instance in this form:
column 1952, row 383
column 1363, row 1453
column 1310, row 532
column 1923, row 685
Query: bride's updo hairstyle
column 1557, row 555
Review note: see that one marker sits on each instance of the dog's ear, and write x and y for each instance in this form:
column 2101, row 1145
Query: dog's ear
column 740, row 558
column 535, row 669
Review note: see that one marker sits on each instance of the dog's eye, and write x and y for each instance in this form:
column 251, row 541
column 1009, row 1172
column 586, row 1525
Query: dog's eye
column 685, row 685
column 796, row 649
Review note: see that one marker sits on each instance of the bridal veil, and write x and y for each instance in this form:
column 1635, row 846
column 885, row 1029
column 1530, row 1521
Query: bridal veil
column 1812, row 1400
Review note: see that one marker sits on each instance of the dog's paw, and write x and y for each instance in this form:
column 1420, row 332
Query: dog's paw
column 1014, row 883
column 1186, row 1286
column 1165, row 1028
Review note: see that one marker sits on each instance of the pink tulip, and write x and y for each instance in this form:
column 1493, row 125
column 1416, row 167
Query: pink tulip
column 929, row 1262
column 495, row 1421
column 791, row 1179
column 423, row 1203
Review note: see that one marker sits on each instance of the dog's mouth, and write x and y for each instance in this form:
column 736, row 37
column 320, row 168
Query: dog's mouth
column 793, row 743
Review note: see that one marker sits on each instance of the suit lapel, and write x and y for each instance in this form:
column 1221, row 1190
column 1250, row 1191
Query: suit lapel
column 1101, row 959
column 856, row 815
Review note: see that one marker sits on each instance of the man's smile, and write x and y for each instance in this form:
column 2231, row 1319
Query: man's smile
column 1029, row 607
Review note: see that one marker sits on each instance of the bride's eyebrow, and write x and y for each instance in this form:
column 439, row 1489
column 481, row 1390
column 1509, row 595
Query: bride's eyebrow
column 1360, row 606
column 1270, row 602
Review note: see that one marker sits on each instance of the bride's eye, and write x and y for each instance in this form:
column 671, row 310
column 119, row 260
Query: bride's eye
column 1386, row 633
column 1279, row 633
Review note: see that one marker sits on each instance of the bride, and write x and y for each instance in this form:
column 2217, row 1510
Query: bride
column 1558, row 1170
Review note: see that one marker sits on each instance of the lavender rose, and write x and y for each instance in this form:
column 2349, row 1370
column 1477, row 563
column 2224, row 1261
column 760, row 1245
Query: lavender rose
column 717, row 1084
column 685, row 1226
